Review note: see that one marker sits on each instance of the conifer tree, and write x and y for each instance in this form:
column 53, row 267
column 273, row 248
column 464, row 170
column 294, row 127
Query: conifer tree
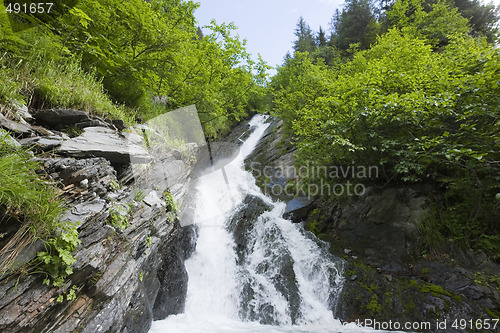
column 305, row 39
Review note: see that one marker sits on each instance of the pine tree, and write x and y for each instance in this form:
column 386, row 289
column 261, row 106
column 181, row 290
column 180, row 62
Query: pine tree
column 305, row 39
column 199, row 33
column 355, row 24
column 482, row 18
column 321, row 38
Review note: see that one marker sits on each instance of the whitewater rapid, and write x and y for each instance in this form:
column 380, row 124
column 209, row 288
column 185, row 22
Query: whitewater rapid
column 214, row 300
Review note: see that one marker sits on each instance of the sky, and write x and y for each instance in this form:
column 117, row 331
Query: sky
column 269, row 25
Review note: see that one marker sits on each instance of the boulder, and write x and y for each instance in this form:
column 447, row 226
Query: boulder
column 13, row 126
column 172, row 275
column 119, row 124
column 272, row 163
column 43, row 143
column 61, row 116
column 243, row 222
column 107, row 143
column 22, row 110
column 91, row 123
column 298, row 209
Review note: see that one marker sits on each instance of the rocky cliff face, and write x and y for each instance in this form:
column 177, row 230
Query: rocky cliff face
column 387, row 277
column 129, row 266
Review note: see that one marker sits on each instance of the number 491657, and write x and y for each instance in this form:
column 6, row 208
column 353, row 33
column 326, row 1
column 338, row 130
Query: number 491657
column 29, row 8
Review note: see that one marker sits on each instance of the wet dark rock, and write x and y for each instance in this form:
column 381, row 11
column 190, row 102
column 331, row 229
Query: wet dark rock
column 60, row 117
column 382, row 226
column 271, row 163
column 172, row 274
column 238, row 134
column 298, row 209
column 386, row 277
column 242, row 223
column 440, row 293
column 286, row 283
column 277, row 265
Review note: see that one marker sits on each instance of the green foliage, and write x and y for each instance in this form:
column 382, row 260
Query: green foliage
column 169, row 200
column 147, row 49
column 70, row 295
column 139, row 196
column 26, row 197
column 356, row 24
column 34, row 203
column 118, row 216
column 417, row 113
column 374, row 306
column 57, row 259
column 437, row 25
column 313, row 227
column 50, row 83
column 147, row 57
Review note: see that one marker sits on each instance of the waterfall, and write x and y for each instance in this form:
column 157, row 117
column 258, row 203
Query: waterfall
column 252, row 270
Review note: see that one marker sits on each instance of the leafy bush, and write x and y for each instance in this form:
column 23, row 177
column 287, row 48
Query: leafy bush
column 57, row 259
column 417, row 113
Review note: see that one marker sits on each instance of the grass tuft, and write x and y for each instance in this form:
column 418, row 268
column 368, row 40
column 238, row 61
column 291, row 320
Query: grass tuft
column 46, row 83
column 33, row 202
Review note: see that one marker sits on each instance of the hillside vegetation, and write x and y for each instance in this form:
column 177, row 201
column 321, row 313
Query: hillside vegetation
column 420, row 101
column 131, row 60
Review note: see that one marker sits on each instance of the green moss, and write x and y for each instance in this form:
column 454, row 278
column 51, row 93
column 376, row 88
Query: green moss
column 388, row 297
column 374, row 307
column 371, row 288
column 493, row 314
column 410, row 306
column 435, row 290
column 313, row 227
column 349, row 272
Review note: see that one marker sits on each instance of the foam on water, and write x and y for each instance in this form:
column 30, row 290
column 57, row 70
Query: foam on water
column 214, row 299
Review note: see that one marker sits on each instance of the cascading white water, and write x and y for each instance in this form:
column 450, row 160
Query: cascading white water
column 284, row 277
